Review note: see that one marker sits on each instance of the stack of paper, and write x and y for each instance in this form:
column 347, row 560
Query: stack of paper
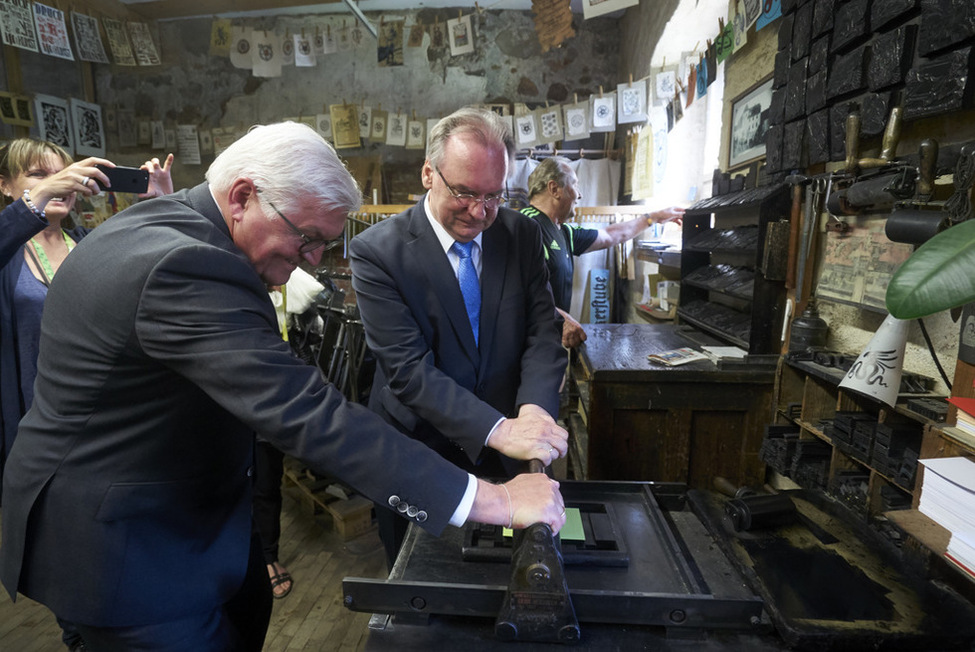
column 718, row 353
column 966, row 413
column 948, row 498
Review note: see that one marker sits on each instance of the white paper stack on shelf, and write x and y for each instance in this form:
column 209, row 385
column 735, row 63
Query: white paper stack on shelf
column 718, row 353
column 948, row 498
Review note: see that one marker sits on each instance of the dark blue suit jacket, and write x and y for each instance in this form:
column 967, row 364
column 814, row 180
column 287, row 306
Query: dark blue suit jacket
column 431, row 380
column 127, row 494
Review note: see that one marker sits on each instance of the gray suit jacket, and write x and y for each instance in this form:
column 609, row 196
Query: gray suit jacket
column 126, row 499
column 431, row 380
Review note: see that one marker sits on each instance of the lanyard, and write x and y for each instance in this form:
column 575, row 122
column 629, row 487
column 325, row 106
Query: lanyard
column 42, row 260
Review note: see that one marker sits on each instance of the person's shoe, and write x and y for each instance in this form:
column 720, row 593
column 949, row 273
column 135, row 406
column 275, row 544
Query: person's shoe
column 281, row 581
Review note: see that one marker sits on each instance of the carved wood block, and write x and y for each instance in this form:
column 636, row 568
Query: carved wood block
column 945, row 23
column 776, row 107
column 785, row 32
column 773, row 148
column 874, row 111
column 837, row 130
column 783, row 60
column 815, row 92
column 886, row 12
column 846, row 74
column 802, row 31
column 819, row 54
column 851, row 24
column 795, row 98
column 938, row 86
column 818, row 137
column 823, row 12
column 792, row 145
column 891, row 55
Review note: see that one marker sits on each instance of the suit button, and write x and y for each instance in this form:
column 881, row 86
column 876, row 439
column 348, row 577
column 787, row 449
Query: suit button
column 412, row 511
column 393, row 501
column 402, row 507
column 421, row 516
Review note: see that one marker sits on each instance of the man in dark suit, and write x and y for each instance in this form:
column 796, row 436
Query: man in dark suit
column 478, row 384
column 127, row 496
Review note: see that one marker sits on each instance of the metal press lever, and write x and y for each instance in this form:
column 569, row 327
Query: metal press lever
column 537, row 605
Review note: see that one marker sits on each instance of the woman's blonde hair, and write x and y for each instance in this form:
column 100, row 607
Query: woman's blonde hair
column 18, row 156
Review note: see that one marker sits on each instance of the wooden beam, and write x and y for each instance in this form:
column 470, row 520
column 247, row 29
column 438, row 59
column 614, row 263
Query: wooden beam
column 167, row 9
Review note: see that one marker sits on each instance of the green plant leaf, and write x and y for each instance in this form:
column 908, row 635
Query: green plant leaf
column 940, row 275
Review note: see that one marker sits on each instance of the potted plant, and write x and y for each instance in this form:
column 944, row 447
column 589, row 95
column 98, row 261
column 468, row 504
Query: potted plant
column 940, row 275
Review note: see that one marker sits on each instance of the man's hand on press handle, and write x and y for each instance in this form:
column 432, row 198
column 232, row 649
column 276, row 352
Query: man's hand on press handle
column 572, row 333
column 527, row 499
column 532, row 435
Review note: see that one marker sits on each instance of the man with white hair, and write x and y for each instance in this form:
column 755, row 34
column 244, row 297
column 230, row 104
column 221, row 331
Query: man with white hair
column 127, row 496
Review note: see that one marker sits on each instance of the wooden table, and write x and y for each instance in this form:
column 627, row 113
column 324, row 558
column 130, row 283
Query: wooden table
column 635, row 420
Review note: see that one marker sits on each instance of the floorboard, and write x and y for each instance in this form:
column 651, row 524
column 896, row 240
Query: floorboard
column 311, row 617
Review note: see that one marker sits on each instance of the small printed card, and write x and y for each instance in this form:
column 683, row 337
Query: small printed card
column 677, row 357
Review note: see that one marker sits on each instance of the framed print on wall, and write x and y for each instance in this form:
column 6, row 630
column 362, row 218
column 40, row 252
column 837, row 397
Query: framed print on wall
column 54, row 121
column 89, row 133
column 749, row 122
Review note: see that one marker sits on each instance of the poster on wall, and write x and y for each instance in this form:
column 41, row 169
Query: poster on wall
column 206, row 142
column 304, row 51
column 118, row 42
column 18, row 24
column 461, row 36
column 594, row 8
column 188, row 144
column 416, row 135
column 158, row 131
column 128, row 131
column 749, row 122
column 740, row 26
column 16, row 110
column 389, row 47
column 345, row 125
column 632, row 105
column 221, row 37
column 549, row 121
column 88, row 39
column 52, row 32
column 89, row 134
column 664, row 85
column 145, row 48
column 365, row 120
column 753, row 10
column 526, row 131
column 771, row 10
column 377, row 131
column 415, row 39
column 54, row 120
column 267, row 58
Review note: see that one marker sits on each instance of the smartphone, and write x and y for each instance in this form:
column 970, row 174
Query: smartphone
column 123, row 179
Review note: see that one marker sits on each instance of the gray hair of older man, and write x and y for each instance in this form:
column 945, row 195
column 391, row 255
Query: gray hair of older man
column 484, row 124
column 554, row 168
column 287, row 161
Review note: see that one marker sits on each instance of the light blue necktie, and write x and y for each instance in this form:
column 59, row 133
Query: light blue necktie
column 470, row 287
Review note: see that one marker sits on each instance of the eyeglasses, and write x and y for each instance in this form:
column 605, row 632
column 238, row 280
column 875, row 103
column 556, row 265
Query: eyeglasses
column 308, row 243
column 467, row 198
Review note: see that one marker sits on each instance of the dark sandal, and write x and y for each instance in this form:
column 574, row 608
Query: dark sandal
column 279, row 579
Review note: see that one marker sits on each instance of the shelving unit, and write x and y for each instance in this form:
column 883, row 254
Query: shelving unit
column 873, row 450
column 731, row 287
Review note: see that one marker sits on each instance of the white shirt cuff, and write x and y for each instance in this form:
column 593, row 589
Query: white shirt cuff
column 466, row 503
column 488, row 438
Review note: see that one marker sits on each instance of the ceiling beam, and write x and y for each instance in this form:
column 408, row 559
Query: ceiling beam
column 168, row 9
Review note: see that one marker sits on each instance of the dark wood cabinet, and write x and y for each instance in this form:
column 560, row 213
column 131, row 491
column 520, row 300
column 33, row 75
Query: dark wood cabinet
column 733, row 265
column 635, row 420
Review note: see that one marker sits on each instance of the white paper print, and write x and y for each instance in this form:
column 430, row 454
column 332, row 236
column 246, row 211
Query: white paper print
column 127, row 128
column 329, row 42
column 396, row 129
column 632, row 105
column 594, row 8
column 603, row 112
column 118, row 42
column 188, row 144
column 365, row 121
column 158, row 131
column 549, row 124
column 526, row 133
column 53, row 120
column 145, row 49
column 266, row 53
column 323, row 125
column 575, row 120
column 145, row 132
column 741, row 27
column 665, row 85
column 52, row 32
column 377, row 131
column 416, row 135
column 206, row 141
column 87, row 38
column 287, row 50
column 304, row 52
column 18, row 24
column 89, row 134
column 240, row 48
column 461, row 35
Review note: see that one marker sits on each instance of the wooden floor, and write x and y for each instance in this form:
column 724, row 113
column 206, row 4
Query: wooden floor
column 310, row 618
